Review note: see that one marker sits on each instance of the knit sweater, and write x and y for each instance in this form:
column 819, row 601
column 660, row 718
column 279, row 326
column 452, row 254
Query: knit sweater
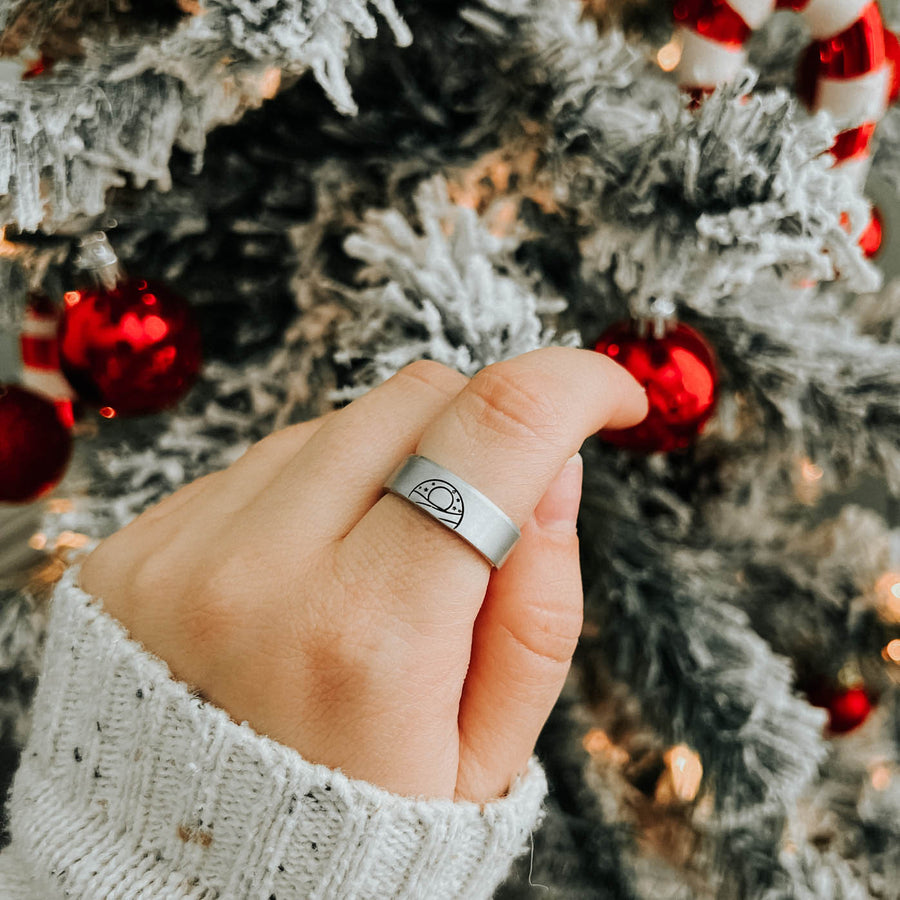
column 132, row 786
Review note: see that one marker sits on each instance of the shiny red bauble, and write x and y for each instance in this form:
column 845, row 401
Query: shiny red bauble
column 678, row 371
column 847, row 708
column 131, row 349
column 35, row 446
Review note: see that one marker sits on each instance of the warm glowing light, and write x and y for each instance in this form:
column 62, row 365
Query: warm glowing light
column 269, row 84
column 808, row 481
column 60, row 505
column 38, row 541
column 50, row 573
column 107, row 412
column 504, row 217
column 685, row 770
column 810, row 471
column 881, row 777
column 669, row 56
column 155, row 328
column 596, row 741
column 70, row 298
column 71, row 539
column 892, row 651
column 598, row 744
column 887, row 596
column 7, row 248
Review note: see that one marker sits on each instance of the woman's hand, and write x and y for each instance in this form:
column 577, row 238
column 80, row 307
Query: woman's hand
column 291, row 591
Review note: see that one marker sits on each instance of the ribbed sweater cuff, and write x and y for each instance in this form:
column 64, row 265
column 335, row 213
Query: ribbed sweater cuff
column 131, row 786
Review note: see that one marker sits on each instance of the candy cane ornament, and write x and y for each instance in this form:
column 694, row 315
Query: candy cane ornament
column 851, row 68
column 40, row 356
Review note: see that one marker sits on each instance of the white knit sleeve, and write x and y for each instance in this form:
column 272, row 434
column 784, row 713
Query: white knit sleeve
column 131, row 787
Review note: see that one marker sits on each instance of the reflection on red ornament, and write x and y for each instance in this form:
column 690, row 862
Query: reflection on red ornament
column 678, row 371
column 870, row 239
column 847, row 708
column 35, row 445
column 131, row 349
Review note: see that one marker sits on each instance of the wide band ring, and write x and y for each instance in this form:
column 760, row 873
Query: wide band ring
column 456, row 505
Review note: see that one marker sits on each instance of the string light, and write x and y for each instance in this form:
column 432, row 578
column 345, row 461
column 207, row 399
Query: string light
column 669, row 55
column 71, row 540
column 7, row 248
column 38, row 541
column 892, row 651
column 60, row 505
column 810, row 471
column 881, row 777
column 683, row 775
column 597, row 742
column 808, row 481
column 887, row 596
column 269, row 83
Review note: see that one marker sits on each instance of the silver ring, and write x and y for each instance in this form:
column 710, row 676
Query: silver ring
column 457, row 505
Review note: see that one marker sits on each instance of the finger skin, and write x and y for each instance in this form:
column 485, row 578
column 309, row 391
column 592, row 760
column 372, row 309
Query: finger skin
column 522, row 646
column 340, row 472
column 218, row 493
column 516, row 424
column 507, row 434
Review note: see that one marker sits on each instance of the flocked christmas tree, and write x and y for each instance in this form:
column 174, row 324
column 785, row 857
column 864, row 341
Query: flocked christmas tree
column 332, row 189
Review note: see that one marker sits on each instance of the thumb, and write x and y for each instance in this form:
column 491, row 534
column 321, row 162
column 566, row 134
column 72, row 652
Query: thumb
column 522, row 644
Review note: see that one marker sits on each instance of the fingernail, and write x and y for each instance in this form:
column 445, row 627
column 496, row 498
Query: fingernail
column 558, row 508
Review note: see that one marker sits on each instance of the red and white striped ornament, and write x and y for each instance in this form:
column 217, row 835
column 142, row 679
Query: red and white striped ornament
column 40, row 356
column 851, row 68
column 712, row 34
column 846, row 71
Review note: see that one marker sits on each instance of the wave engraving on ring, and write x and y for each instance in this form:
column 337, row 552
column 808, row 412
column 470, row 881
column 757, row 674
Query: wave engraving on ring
column 441, row 499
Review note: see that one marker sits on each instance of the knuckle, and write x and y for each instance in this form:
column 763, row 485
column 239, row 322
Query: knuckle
column 514, row 403
column 212, row 614
column 435, row 375
column 548, row 633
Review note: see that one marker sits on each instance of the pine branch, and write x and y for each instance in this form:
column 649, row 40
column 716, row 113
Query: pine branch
column 67, row 137
column 447, row 290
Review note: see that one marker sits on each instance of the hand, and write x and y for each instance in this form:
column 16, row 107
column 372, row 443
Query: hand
column 339, row 620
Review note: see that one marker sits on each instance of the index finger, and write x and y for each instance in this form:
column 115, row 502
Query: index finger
column 508, row 433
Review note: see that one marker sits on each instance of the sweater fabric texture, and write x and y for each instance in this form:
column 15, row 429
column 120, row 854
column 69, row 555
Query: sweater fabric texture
column 131, row 786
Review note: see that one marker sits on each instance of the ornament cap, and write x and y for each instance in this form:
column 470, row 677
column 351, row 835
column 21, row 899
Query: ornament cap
column 658, row 321
column 97, row 256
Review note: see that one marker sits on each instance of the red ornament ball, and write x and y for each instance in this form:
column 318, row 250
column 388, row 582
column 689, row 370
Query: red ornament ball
column 35, row 446
column 130, row 350
column 847, row 708
column 678, row 371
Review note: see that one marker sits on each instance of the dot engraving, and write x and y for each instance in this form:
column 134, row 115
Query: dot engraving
column 440, row 499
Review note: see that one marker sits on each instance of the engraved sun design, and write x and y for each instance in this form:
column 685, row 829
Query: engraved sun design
column 441, row 499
